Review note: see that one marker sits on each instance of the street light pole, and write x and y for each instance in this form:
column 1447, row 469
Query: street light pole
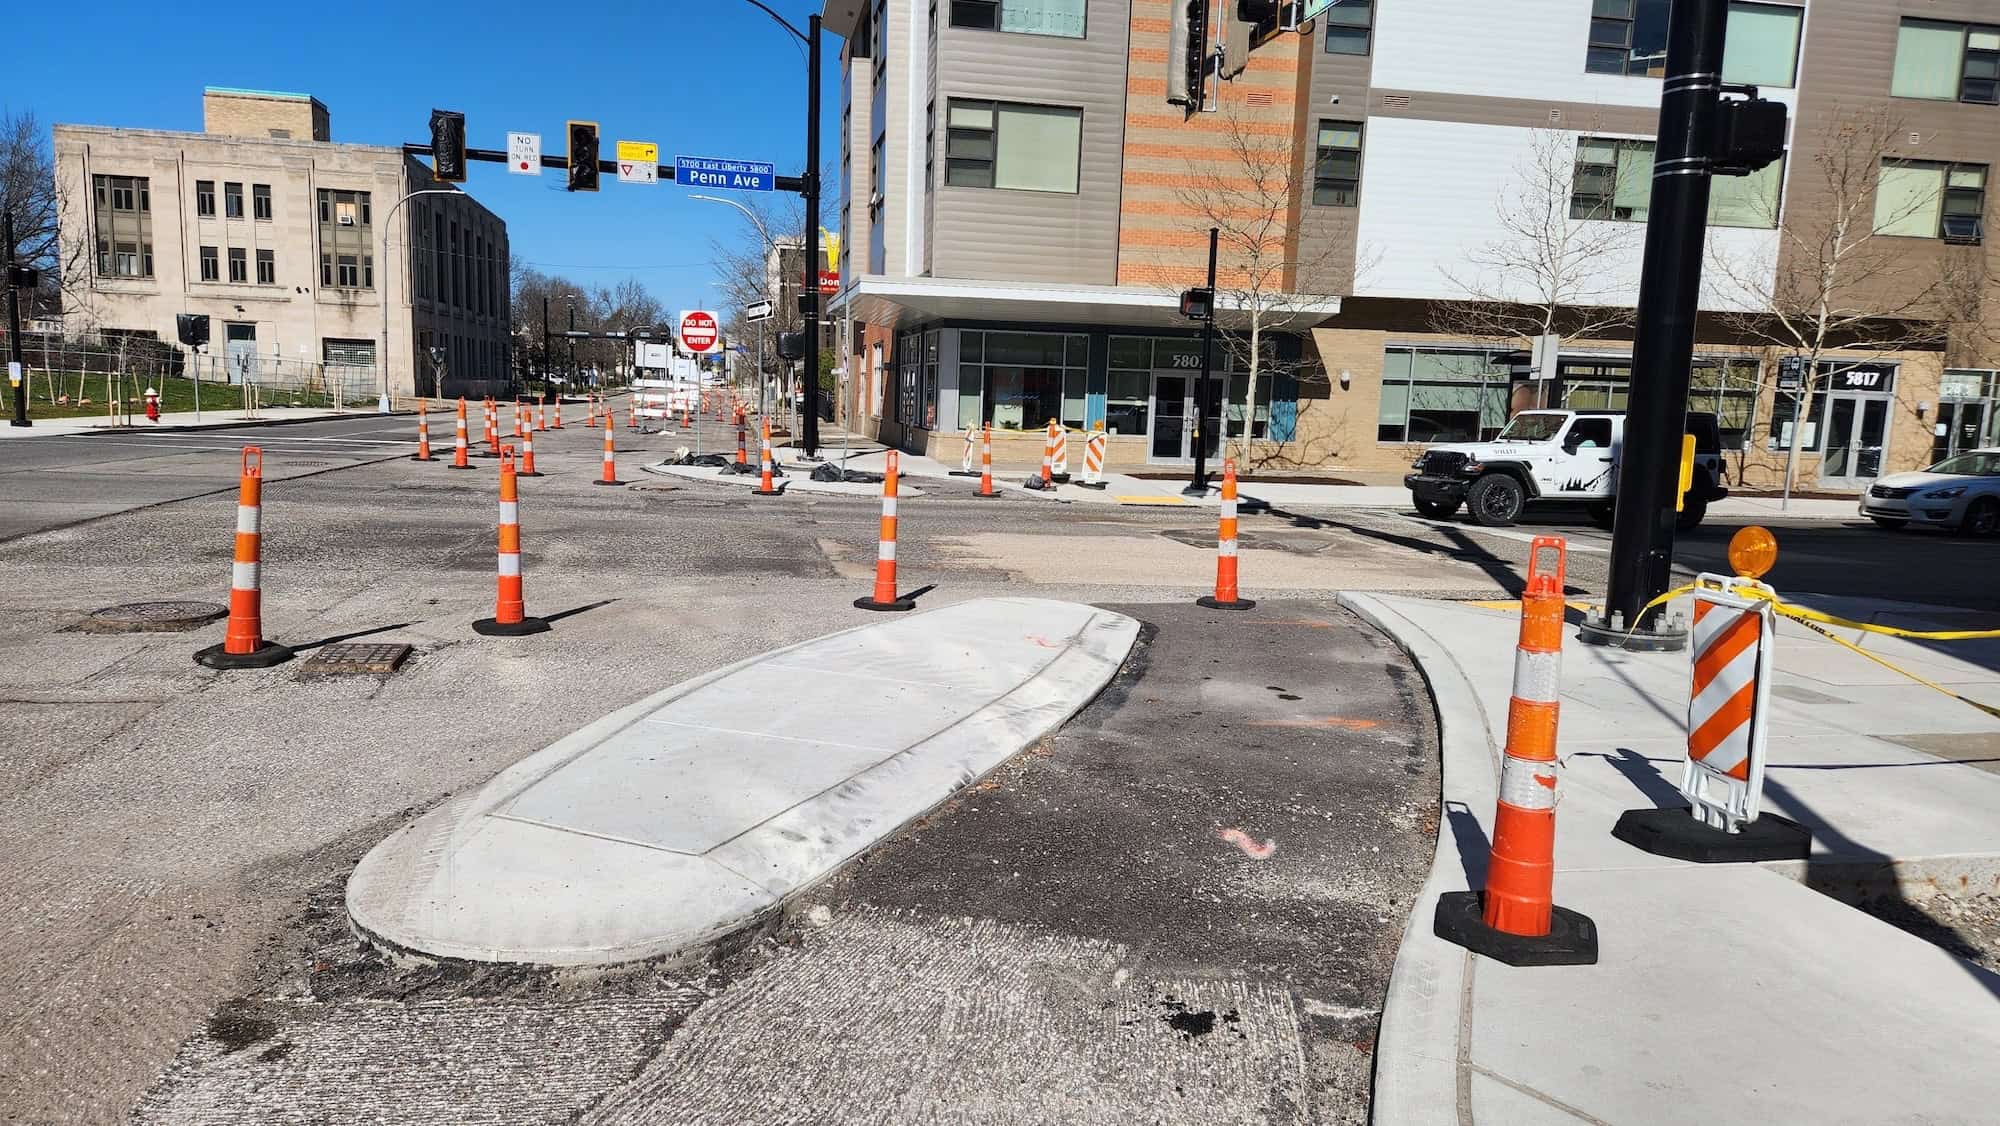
column 574, row 374
column 809, row 296
column 14, row 356
column 388, row 230
column 1198, row 484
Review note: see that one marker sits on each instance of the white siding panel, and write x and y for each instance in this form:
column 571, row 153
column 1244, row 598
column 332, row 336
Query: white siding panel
column 1430, row 196
column 1510, row 49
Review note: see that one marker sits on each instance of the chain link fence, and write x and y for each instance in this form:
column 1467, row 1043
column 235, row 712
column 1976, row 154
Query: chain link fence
column 111, row 374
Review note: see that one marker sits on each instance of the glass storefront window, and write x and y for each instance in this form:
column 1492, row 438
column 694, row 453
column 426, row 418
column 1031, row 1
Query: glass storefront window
column 1020, row 380
column 1439, row 395
column 1126, row 402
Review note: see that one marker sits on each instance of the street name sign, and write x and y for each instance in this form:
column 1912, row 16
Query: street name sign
column 700, row 332
column 735, row 175
column 524, row 154
column 638, row 162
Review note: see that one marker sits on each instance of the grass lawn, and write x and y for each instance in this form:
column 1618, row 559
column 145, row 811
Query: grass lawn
column 175, row 395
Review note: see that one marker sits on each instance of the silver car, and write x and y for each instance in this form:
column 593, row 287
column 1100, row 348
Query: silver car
column 1961, row 492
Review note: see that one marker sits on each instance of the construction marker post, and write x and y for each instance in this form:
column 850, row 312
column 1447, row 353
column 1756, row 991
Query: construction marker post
column 517, row 418
column 1093, row 459
column 509, row 610
column 527, row 468
column 542, row 412
column 766, row 487
column 1048, row 478
column 965, row 460
column 610, row 476
column 243, row 645
column 423, row 432
column 459, row 452
column 1225, row 596
column 557, row 424
column 1729, row 710
column 885, row 597
column 1515, row 920
column 986, row 462
column 492, row 429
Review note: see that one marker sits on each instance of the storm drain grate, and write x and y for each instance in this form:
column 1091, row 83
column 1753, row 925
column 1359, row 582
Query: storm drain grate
column 153, row 617
column 355, row 658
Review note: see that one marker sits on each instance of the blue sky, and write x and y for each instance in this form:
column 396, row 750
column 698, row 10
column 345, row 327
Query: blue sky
column 700, row 77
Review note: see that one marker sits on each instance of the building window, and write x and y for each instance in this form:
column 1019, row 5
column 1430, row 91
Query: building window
column 204, row 199
column 1022, row 379
column 1348, row 27
column 1628, row 37
column 1005, row 145
column 211, row 264
column 1337, row 164
column 232, row 201
column 1030, row 17
column 124, row 212
column 260, row 201
column 1434, row 395
column 1762, row 48
column 346, row 240
column 1931, row 199
column 239, row 266
column 1613, row 180
column 930, row 143
column 267, row 268
column 1947, row 62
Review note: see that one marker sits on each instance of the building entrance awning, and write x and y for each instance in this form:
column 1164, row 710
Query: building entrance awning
column 889, row 301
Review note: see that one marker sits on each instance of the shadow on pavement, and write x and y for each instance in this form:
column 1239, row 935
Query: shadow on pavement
column 559, row 615
column 1474, row 850
column 339, row 637
column 1503, row 574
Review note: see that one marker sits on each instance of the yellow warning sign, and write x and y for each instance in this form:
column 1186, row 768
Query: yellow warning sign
column 638, row 151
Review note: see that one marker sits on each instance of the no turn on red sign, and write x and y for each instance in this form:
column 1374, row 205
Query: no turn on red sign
column 701, row 333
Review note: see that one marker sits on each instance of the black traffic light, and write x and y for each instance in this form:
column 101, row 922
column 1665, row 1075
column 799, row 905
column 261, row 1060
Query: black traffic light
column 583, row 156
column 193, row 328
column 447, row 146
column 1197, row 54
column 791, row 345
column 1198, row 304
column 23, row 277
column 1749, row 134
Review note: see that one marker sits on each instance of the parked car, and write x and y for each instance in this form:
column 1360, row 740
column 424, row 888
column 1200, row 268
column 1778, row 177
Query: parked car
column 1961, row 492
column 1552, row 456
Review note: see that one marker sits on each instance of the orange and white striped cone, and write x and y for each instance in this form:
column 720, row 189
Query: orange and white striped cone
column 510, row 618
column 1048, row 478
column 517, row 418
column 1093, row 459
column 610, row 476
column 492, row 429
column 631, row 417
column 458, row 455
column 742, row 442
column 542, row 413
column 527, row 468
column 423, row 432
column 557, row 425
column 687, row 417
column 590, row 401
column 243, row 645
column 986, row 461
column 885, row 597
column 766, row 487
column 1515, row 920
column 1225, row 596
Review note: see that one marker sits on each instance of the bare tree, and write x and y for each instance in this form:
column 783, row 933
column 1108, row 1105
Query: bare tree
column 1546, row 274
column 1251, row 198
column 1836, row 280
column 30, row 193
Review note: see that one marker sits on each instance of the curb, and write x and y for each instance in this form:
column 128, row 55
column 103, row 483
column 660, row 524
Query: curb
column 1420, row 1075
column 785, row 484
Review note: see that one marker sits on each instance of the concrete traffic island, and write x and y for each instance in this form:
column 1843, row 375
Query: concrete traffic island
column 696, row 812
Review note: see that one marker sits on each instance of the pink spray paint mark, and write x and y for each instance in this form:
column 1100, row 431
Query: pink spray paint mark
column 1043, row 641
column 1248, row 844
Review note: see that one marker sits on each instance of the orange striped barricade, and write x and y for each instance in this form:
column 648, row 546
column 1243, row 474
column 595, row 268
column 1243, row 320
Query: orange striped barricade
column 766, row 487
column 1059, row 451
column 1728, row 718
column 885, row 597
column 1093, row 459
column 649, row 397
column 243, row 645
column 510, row 617
column 971, row 447
column 1515, row 919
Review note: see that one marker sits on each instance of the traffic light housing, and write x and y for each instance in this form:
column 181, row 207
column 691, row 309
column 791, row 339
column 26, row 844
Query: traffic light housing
column 1197, row 54
column 192, row 327
column 447, row 146
column 23, row 277
column 582, row 156
column 1198, row 304
column 792, row 345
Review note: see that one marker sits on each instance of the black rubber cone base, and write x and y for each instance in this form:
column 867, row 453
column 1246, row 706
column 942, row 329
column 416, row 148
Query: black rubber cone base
column 1215, row 603
column 520, row 473
column 767, row 492
column 264, row 657
column 602, row 481
column 488, row 627
column 994, row 495
column 467, row 465
column 871, row 604
column 1090, row 485
column 1675, row 833
column 418, row 457
column 1571, row 941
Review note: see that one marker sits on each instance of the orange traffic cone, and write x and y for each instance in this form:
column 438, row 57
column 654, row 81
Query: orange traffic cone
column 610, row 454
column 509, row 610
column 558, row 422
column 517, row 418
column 423, row 432
column 243, row 645
column 765, row 486
column 458, row 454
column 1515, row 919
column 1225, row 597
column 885, row 597
column 542, row 412
column 527, row 468
column 492, row 429
column 742, row 442
column 986, row 462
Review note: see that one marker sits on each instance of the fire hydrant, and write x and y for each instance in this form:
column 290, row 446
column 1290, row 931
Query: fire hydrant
column 152, row 405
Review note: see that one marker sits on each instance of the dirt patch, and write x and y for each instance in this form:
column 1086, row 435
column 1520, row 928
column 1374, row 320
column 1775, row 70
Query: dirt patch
column 1967, row 928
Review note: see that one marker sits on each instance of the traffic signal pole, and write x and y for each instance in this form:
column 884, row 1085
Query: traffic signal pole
column 809, row 295
column 1197, row 485
column 1642, row 537
column 14, row 355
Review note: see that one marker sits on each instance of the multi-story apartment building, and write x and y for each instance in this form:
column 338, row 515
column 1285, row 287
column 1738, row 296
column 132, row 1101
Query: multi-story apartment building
column 1026, row 189
column 300, row 250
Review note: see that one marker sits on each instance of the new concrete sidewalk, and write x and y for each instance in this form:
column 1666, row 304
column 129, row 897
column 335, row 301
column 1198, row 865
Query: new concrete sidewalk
column 1723, row 993
column 177, row 420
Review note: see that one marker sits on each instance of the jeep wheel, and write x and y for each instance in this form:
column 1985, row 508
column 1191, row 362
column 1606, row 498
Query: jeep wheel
column 1602, row 513
column 1693, row 509
column 1435, row 509
column 1495, row 500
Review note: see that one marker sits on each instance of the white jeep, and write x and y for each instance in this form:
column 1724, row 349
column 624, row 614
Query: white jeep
column 1551, row 456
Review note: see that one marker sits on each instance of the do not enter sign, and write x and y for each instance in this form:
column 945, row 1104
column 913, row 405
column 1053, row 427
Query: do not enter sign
column 700, row 333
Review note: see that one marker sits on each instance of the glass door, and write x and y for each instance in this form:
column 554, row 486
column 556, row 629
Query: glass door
column 1857, row 431
column 1169, row 419
column 1960, row 426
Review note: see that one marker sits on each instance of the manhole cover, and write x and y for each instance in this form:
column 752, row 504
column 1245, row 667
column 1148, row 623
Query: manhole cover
column 354, row 658
column 153, row 617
